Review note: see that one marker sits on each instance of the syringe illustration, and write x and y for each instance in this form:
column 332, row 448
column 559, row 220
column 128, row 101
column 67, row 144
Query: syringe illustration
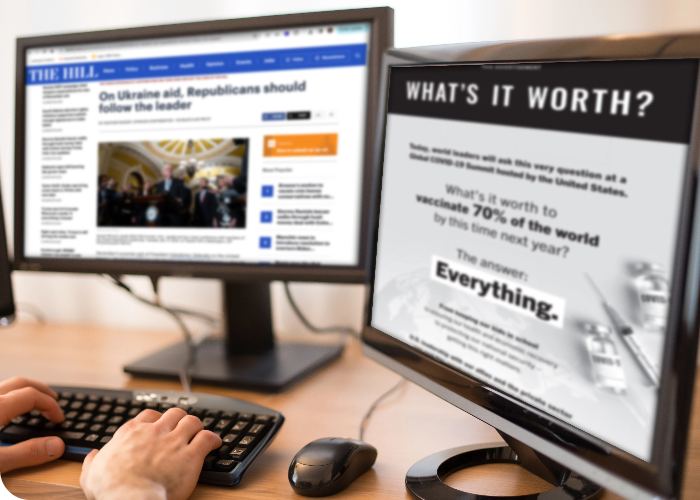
column 627, row 335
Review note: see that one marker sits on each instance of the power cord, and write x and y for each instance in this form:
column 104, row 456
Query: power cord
column 377, row 402
column 175, row 313
column 346, row 330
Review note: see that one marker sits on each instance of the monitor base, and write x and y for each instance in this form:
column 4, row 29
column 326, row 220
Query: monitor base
column 274, row 370
column 424, row 479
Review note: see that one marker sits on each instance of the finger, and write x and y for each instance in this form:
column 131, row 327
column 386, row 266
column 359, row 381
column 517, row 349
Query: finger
column 148, row 416
column 171, row 418
column 14, row 383
column 33, row 452
column 188, row 427
column 87, row 463
column 204, row 442
column 27, row 399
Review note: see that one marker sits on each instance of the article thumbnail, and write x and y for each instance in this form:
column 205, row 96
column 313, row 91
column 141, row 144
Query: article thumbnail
column 173, row 183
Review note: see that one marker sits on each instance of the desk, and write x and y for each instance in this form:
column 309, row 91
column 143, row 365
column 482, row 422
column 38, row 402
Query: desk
column 409, row 426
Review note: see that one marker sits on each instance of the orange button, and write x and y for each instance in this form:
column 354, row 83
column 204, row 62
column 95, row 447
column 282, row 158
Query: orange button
column 301, row 145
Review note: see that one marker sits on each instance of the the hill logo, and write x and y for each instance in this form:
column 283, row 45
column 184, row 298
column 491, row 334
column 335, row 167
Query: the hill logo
column 58, row 74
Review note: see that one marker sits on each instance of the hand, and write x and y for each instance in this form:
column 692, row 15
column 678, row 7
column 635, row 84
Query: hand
column 153, row 456
column 18, row 396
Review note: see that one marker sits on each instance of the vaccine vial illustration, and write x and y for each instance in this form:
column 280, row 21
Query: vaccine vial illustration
column 651, row 284
column 605, row 361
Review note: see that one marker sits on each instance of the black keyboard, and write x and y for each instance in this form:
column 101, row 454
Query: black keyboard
column 94, row 415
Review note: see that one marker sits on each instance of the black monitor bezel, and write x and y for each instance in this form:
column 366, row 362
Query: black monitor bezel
column 564, row 443
column 382, row 36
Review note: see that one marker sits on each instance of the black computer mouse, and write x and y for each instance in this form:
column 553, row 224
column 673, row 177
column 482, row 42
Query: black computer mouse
column 326, row 466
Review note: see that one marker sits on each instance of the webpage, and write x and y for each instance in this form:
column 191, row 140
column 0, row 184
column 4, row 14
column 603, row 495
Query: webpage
column 245, row 147
column 529, row 217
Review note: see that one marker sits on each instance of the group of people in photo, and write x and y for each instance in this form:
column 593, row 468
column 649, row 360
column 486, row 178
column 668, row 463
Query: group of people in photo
column 171, row 203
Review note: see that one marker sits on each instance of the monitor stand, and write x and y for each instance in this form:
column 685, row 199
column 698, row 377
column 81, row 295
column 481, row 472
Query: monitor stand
column 248, row 357
column 425, row 479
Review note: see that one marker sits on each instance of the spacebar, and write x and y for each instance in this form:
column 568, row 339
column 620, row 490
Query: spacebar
column 15, row 434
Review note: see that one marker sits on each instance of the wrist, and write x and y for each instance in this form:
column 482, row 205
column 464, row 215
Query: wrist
column 147, row 490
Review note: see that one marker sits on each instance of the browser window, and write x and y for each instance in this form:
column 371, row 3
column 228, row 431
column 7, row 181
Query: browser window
column 244, row 147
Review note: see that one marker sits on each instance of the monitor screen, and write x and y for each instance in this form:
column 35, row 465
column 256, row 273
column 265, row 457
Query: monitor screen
column 528, row 230
column 244, row 147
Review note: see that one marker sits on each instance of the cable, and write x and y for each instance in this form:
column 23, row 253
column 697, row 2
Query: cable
column 330, row 329
column 192, row 346
column 377, row 402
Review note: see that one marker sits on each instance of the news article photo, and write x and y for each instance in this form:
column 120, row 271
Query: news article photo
column 197, row 183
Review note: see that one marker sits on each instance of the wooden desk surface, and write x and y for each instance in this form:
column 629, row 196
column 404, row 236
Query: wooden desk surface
column 409, row 426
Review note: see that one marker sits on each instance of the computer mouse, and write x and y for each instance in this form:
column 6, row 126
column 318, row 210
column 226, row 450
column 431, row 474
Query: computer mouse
column 326, row 466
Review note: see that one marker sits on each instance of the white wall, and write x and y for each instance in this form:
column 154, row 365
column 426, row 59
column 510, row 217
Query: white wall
column 89, row 299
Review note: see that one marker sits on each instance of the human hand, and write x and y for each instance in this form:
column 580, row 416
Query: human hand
column 18, row 396
column 153, row 456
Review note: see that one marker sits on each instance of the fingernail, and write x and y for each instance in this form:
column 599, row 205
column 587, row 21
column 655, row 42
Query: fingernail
column 53, row 447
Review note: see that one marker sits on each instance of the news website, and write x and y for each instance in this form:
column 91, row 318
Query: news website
column 244, row 147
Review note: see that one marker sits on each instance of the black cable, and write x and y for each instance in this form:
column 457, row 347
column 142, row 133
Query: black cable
column 330, row 329
column 192, row 346
column 377, row 402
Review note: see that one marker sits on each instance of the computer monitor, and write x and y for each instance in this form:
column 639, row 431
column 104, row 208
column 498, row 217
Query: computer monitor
column 226, row 149
column 537, row 253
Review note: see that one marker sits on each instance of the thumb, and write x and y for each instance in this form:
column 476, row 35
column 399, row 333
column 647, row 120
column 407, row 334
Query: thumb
column 32, row 452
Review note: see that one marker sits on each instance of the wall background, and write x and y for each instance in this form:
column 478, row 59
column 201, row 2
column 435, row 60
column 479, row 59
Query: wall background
column 70, row 298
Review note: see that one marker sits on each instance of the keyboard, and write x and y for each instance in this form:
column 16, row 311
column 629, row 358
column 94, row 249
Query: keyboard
column 94, row 415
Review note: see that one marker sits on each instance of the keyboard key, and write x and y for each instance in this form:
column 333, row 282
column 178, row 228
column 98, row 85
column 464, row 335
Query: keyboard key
column 238, row 453
column 263, row 419
column 76, row 405
column 80, row 397
column 213, row 414
column 116, row 420
column 229, row 416
column 35, row 413
column 152, row 406
column 166, row 406
column 111, row 429
column 224, row 450
column 209, row 462
column 94, row 399
column 256, row 429
column 67, row 424
column 19, row 420
column 239, row 427
column 96, row 428
column 80, row 426
column 133, row 412
column 225, row 465
column 200, row 413
column 105, row 408
column 85, row 416
column 67, row 395
column 33, row 422
column 90, row 407
column 108, row 400
column 71, row 415
column 119, row 410
column 246, row 441
column 100, row 418
column 246, row 416
column 106, row 439
column 230, row 438
column 49, row 426
column 208, row 422
column 63, row 403
column 92, row 437
column 136, row 404
column 122, row 402
column 222, row 425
